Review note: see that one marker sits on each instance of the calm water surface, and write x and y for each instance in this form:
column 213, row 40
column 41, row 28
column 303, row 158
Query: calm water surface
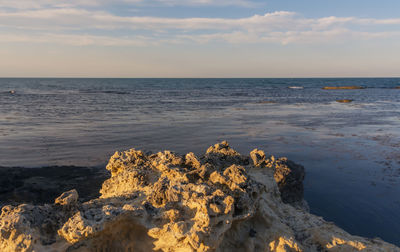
column 351, row 151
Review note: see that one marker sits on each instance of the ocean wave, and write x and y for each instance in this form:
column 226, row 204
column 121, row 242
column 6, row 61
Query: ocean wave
column 105, row 92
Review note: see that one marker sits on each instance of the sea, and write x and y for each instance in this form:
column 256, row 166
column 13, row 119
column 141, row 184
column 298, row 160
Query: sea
column 350, row 151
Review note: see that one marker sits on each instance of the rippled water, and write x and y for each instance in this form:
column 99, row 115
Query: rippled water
column 351, row 151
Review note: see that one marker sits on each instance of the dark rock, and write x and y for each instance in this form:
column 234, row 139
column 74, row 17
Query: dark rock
column 252, row 232
column 343, row 87
column 41, row 185
column 289, row 176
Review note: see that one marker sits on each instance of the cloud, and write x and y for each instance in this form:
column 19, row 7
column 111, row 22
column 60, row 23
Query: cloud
column 77, row 40
column 76, row 26
column 41, row 4
column 70, row 18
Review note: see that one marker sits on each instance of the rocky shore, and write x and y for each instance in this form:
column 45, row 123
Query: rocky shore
column 222, row 201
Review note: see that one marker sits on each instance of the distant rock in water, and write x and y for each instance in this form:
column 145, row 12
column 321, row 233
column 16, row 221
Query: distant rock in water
column 343, row 87
column 344, row 101
column 267, row 102
column 8, row 92
column 223, row 201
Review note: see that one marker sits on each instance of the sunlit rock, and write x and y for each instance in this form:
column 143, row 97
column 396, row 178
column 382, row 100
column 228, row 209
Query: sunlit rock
column 222, row 201
column 344, row 101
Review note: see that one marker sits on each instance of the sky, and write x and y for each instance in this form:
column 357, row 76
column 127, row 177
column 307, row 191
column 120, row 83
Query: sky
column 200, row 38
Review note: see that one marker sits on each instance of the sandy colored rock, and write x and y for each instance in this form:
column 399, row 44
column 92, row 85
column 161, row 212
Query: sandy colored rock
column 222, row 201
column 67, row 199
column 344, row 101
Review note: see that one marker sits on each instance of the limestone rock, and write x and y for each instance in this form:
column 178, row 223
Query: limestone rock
column 168, row 202
column 288, row 176
column 344, row 101
column 69, row 198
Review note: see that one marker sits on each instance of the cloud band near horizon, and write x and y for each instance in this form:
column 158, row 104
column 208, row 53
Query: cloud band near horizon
column 79, row 27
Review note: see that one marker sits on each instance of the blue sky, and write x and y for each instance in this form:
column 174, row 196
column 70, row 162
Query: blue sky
column 199, row 38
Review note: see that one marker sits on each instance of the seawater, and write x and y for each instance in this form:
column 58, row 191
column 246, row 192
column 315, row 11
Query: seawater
column 351, row 151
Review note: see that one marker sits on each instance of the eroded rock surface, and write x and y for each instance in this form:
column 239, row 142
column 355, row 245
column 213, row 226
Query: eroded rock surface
column 222, row 201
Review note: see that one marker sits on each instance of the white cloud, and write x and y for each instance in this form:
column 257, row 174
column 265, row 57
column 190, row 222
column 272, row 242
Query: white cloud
column 69, row 17
column 77, row 40
column 76, row 26
column 40, row 4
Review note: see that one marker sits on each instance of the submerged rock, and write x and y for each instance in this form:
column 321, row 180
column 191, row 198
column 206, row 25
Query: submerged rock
column 267, row 102
column 222, row 201
column 41, row 185
column 343, row 87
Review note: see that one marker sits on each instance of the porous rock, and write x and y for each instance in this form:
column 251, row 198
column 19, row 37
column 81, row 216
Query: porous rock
column 288, row 175
column 166, row 202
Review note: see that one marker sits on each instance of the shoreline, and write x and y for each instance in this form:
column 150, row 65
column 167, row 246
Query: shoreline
column 287, row 178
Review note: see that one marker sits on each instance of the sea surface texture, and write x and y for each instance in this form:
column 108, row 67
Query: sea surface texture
column 351, row 151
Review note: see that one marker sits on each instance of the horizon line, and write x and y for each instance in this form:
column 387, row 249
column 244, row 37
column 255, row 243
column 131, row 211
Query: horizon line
column 311, row 77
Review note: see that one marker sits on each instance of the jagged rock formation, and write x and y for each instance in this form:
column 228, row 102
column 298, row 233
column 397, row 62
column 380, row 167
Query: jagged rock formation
column 165, row 202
